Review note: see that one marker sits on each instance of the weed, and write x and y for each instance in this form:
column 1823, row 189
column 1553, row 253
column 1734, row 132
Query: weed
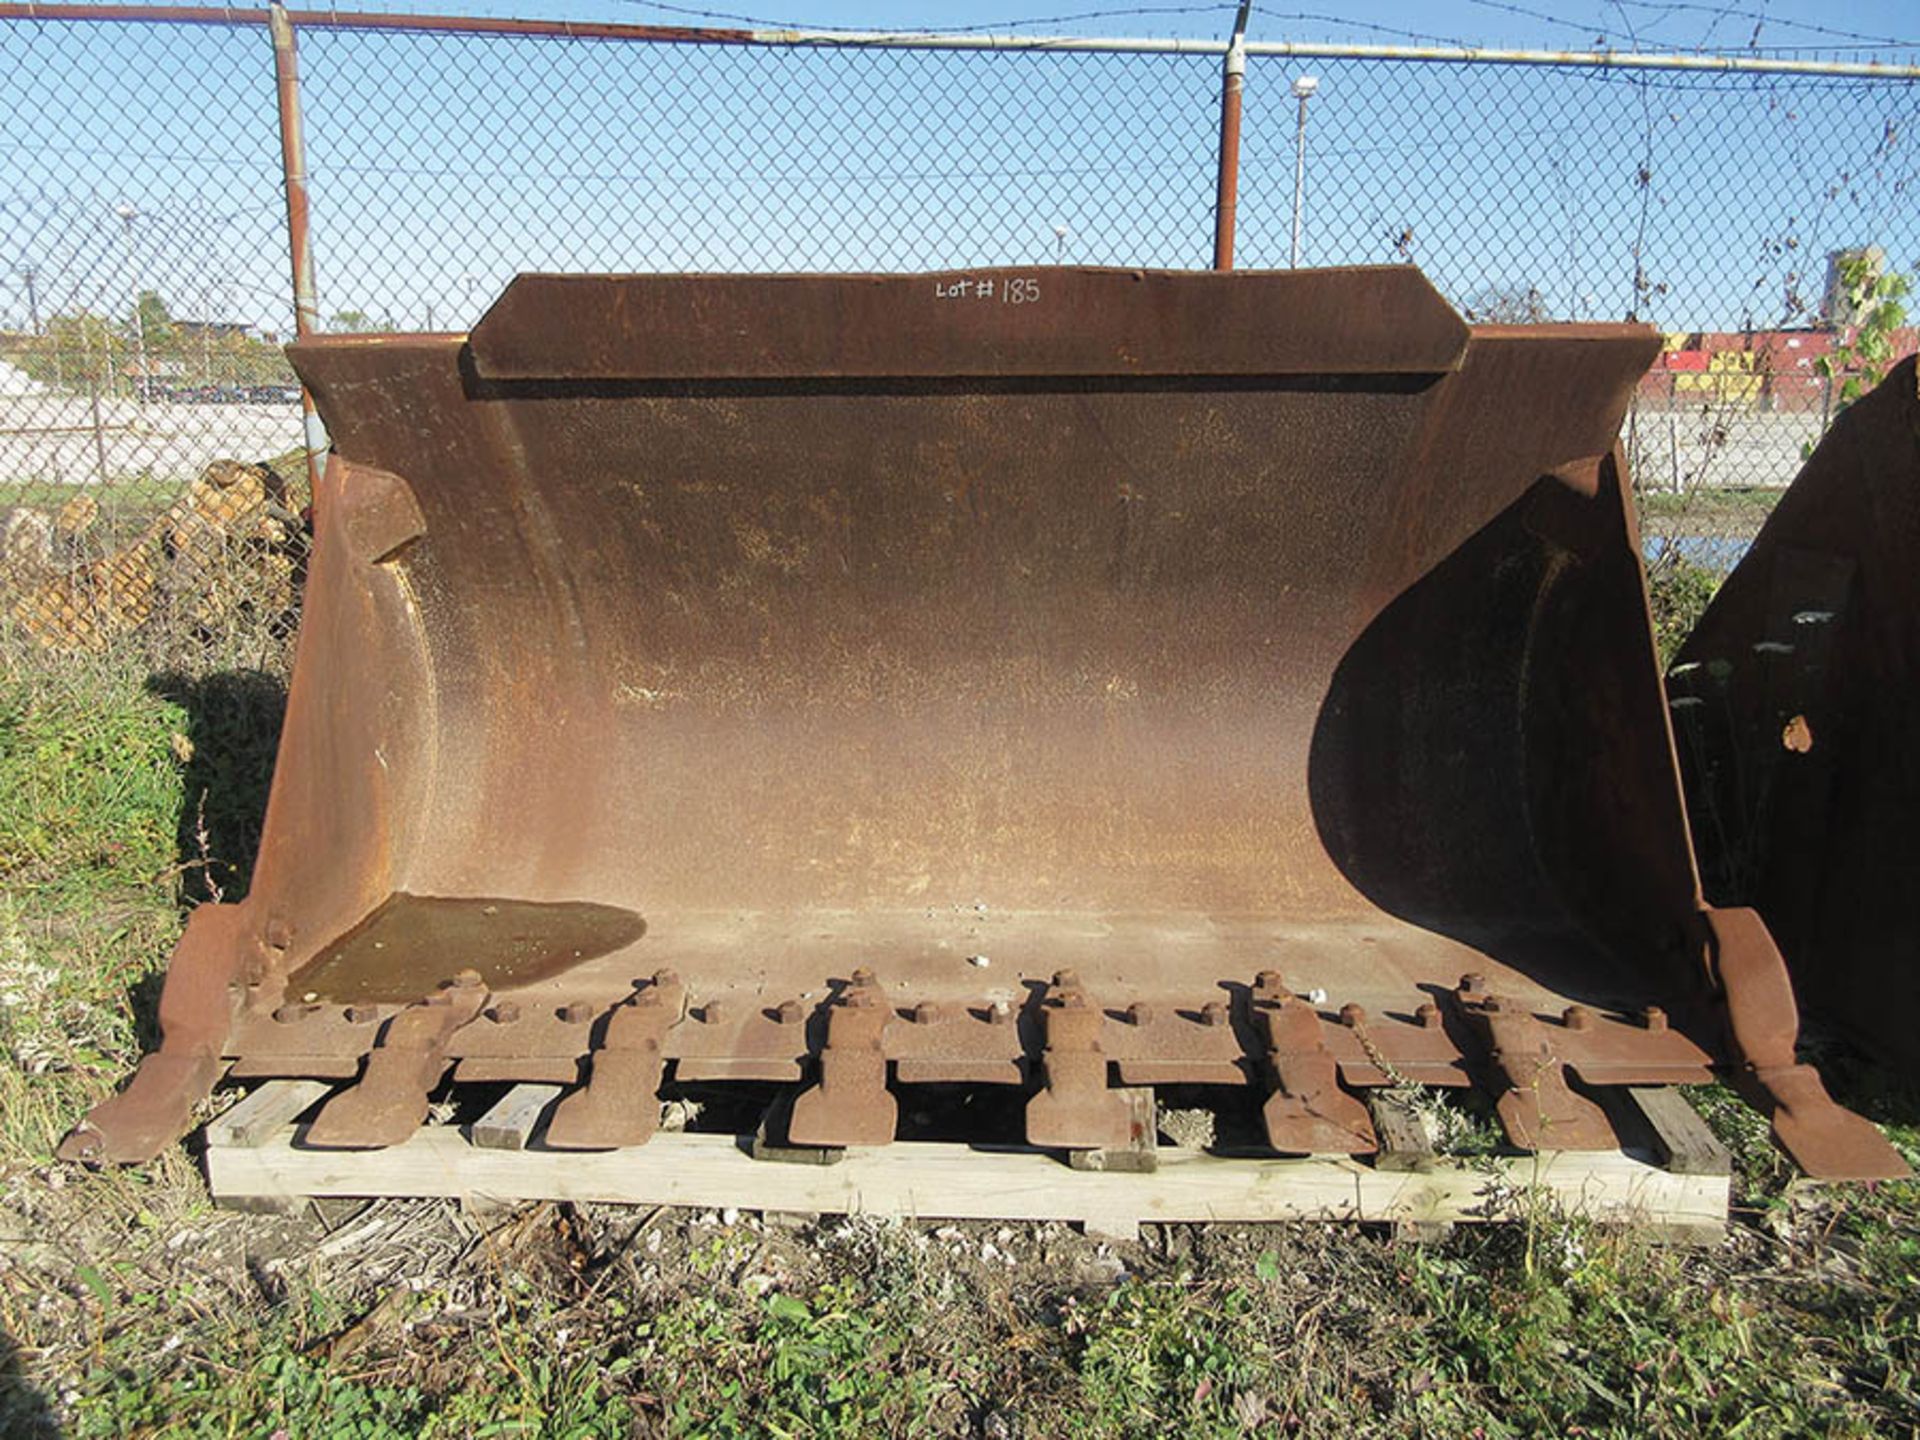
column 1168, row 1355
column 1678, row 591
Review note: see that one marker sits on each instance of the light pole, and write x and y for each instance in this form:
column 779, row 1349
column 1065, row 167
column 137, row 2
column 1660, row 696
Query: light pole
column 126, row 211
column 31, row 274
column 1059, row 244
column 1303, row 88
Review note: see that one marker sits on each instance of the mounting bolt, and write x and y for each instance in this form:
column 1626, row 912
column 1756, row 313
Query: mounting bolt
column 1576, row 1017
column 664, row 978
column 1213, row 1013
column 1352, row 1016
column 929, row 1012
column 791, row 1012
column 1068, row 979
column 861, row 978
column 506, row 1012
column 714, row 1011
column 1428, row 1015
column 1654, row 1018
column 466, row 980
column 362, row 1014
column 1472, row 983
column 576, row 1012
column 999, row 1013
column 1270, row 981
column 288, row 1014
column 1493, row 1005
column 1140, row 1013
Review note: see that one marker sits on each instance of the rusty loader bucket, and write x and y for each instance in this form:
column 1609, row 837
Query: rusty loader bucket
column 1053, row 679
column 1797, row 703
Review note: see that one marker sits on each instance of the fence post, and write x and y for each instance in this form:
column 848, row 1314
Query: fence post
column 1233, row 78
column 293, row 162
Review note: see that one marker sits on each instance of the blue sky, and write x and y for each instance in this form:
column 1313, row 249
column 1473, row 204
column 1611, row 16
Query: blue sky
column 443, row 166
column 1555, row 24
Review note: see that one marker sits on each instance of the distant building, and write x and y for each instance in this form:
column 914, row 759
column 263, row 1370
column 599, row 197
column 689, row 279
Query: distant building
column 1750, row 369
column 212, row 329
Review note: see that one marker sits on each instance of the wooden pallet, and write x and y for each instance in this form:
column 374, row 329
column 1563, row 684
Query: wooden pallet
column 1673, row 1177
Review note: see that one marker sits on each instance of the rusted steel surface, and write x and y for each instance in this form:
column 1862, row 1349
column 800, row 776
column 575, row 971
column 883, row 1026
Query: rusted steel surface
column 1010, row 327
column 954, row 690
column 1797, row 704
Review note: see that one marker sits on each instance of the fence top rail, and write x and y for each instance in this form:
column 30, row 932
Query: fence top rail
column 917, row 40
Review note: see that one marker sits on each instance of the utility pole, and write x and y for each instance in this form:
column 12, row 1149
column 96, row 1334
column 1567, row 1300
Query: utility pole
column 31, row 274
column 127, row 213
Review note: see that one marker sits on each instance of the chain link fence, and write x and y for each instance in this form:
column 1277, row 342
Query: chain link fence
column 147, row 290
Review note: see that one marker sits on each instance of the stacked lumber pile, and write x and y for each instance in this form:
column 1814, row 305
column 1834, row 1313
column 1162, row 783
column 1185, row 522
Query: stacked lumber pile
column 233, row 541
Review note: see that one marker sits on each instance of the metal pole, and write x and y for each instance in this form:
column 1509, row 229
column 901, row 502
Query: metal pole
column 99, row 440
column 1233, row 80
column 127, row 212
column 31, row 273
column 293, row 163
column 1303, row 89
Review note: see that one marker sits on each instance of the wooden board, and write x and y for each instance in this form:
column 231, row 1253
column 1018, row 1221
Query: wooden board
column 1685, row 1142
column 1403, row 1138
column 510, row 1124
column 265, row 1111
column 948, row 1181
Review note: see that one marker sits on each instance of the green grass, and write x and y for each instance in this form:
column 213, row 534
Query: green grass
column 1679, row 591
column 130, row 1308
column 142, row 495
column 1747, row 503
column 90, row 790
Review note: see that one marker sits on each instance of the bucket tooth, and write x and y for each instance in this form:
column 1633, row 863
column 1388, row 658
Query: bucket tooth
column 1076, row 1110
column 1308, row 1113
column 390, row 1101
column 850, row 1104
column 196, row 1010
column 1537, row 1108
column 620, row 1103
column 1825, row 1140
column 149, row 1115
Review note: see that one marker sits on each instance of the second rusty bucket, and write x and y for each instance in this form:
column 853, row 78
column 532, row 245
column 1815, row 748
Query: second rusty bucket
column 1797, row 702
column 1055, row 679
